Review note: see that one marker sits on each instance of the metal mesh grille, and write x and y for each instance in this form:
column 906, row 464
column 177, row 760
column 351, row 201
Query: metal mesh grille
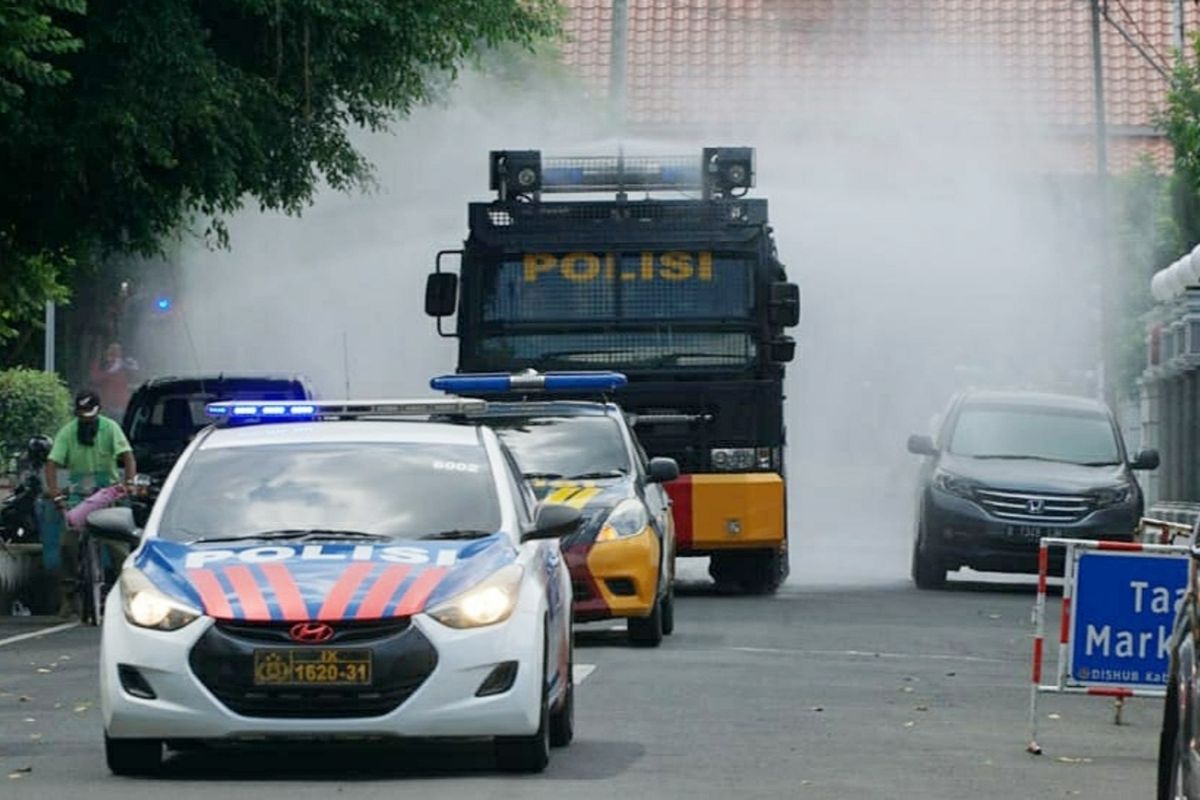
column 632, row 350
column 548, row 287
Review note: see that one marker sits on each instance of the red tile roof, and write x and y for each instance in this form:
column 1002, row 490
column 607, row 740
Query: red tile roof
column 720, row 61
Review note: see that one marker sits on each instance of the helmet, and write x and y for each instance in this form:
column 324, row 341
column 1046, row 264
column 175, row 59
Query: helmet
column 39, row 448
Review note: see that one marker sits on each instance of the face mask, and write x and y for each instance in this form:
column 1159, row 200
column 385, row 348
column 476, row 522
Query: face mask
column 86, row 431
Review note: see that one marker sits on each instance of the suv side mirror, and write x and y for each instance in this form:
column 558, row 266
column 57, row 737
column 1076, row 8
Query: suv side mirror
column 553, row 521
column 921, row 445
column 1147, row 459
column 115, row 524
column 441, row 294
column 661, row 470
column 781, row 350
column 784, row 308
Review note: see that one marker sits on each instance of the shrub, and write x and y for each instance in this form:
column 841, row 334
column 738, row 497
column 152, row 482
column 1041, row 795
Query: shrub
column 31, row 402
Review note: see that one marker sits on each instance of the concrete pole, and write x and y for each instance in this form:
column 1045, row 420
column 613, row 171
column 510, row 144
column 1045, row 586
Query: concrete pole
column 1107, row 302
column 48, row 359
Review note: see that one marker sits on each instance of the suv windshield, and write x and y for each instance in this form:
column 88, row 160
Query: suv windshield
column 1080, row 437
column 399, row 490
column 565, row 446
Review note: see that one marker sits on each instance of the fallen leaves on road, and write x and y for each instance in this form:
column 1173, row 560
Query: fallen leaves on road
column 1070, row 760
column 993, row 616
column 906, row 689
column 1054, row 716
column 910, row 724
column 43, row 671
column 817, row 708
column 922, row 707
column 30, row 719
column 24, row 698
column 82, row 707
column 19, row 772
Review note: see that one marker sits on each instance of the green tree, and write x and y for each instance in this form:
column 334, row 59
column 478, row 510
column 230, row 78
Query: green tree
column 181, row 110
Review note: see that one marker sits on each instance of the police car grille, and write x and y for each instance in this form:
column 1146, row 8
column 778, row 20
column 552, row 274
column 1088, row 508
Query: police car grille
column 1034, row 508
column 343, row 632
column 315, row 703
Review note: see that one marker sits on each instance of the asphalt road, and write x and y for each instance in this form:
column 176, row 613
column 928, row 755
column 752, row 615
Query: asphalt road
column 832, row 689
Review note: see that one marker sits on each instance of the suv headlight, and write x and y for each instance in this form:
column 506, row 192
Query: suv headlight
column 148, row 607
column 628, row 518
column 742, row 459
column 953, row 484
column 486, row 603
column 1113, row 496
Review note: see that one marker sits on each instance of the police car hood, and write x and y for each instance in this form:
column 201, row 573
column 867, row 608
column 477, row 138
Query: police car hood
column 326, row 580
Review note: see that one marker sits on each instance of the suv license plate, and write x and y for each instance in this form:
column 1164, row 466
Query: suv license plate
column 1029, row 533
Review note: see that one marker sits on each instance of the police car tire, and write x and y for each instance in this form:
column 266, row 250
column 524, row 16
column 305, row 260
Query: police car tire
column 562, row 719
column 133, row 756
column 528, row 753
column 647, row 631
column 668, row 610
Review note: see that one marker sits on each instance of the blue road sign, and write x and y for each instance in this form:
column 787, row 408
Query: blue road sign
column 1123, row 614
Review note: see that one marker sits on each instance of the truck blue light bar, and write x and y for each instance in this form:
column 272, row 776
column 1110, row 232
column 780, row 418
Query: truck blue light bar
column 267, row 411
column 499, row 382
column 611, row 173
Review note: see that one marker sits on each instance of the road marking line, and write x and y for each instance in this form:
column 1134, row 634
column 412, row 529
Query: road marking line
column 582, row 671
column 872, row 654
column 66, row 626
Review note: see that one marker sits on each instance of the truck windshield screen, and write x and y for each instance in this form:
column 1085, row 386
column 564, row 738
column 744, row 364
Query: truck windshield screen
column 675, row 285
column 660, row 349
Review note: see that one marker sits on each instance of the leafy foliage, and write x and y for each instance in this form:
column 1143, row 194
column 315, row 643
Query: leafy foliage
column 182, row 109
column 31, row 403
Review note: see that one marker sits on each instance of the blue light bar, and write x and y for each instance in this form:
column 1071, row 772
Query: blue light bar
column 500, row 382
column 255, row 409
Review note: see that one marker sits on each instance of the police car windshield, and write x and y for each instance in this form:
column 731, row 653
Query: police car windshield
column 397, row 490
column 566, row 446
column 1041, row 434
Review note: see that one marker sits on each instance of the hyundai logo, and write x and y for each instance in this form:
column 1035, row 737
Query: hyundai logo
column 311, row 632
column 1037, row 506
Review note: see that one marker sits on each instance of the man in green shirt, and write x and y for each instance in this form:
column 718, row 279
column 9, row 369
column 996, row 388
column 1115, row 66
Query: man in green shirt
column 88, row 448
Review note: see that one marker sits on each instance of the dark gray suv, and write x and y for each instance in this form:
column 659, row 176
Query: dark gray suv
column 1008, row 468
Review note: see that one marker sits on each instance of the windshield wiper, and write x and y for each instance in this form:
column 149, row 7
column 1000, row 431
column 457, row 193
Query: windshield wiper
column 296, row 533
column 530, row 476
column 1024, row 458
column 457, row 533
column 608, row 473
column 1099, row 463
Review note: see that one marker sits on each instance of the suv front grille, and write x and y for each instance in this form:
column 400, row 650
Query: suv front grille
column 1035, row 508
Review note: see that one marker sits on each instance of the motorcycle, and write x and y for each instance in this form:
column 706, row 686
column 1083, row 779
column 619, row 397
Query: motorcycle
column 18, row 520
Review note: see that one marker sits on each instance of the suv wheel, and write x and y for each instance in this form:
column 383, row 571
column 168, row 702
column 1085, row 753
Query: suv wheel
column 928, row 569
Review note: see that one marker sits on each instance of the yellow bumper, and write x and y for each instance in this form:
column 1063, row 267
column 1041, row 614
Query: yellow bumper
column 620, row 563
column 738, row 511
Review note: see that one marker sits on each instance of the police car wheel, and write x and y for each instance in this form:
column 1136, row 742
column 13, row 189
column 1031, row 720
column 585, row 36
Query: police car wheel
column 133, row 756
column 647, row 631
column 562, row 719
column 528, row 753
column 668, row 610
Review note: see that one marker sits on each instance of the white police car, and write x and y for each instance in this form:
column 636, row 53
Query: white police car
column 320, row 572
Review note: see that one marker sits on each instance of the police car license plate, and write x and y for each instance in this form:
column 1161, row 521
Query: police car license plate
column 307, row 666
column 1029, row 533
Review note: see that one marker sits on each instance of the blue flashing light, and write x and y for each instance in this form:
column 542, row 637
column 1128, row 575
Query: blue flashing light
column 163, row 303
column 500, row 382
column 251, row 409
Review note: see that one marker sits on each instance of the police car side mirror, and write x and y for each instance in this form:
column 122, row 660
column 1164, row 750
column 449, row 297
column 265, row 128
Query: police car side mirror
column 661, row 470
column 441, row 294
column 784, row 309
column 115, row 524
column 553, row 521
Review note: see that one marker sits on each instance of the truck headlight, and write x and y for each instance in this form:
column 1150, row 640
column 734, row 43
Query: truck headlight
column 742, row 459
column 953, row 484
column 628, row 518
column 148, row 607
column 486, row 603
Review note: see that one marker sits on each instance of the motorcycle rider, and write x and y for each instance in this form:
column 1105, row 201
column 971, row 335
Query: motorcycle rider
column 88, row 447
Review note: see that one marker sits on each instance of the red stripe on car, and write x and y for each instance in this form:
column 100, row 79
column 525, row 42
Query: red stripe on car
column 291, row 603
column 254, row 606
column 216, row 604
column 381, row 593
column 414, row 599
column 342, row 592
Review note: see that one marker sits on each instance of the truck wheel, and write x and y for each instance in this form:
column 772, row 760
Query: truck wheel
column 928, row 569
column 763, row 572
column 133, row 756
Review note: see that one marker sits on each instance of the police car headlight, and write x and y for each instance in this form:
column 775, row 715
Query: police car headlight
column 628, row 518
column 486, row 603
column 148, row 607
